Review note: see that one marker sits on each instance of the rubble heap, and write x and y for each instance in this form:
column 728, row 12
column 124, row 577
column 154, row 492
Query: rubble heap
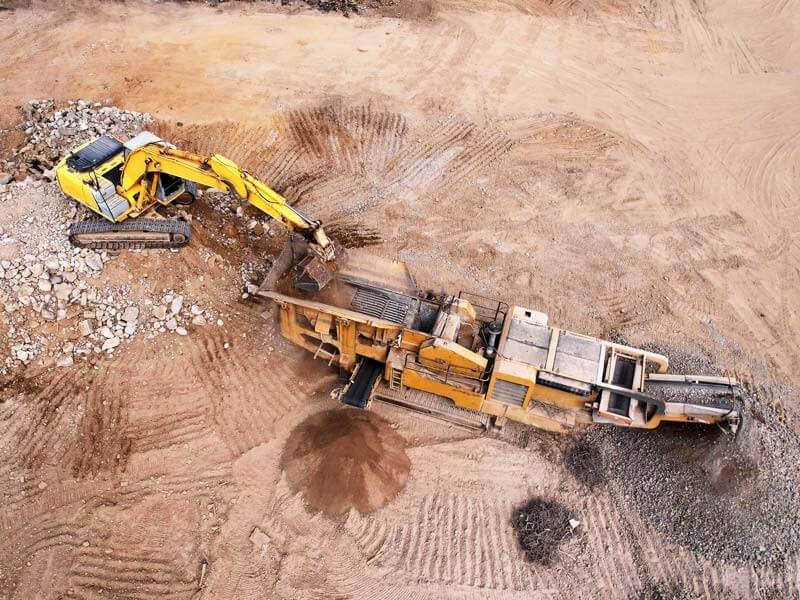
column 51, row 130
column 55, row 309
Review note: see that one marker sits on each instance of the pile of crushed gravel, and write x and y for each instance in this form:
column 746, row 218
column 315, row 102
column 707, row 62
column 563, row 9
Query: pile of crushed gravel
column 731, row 499
column 728, row 498
column 52, row 129
column 54, row 306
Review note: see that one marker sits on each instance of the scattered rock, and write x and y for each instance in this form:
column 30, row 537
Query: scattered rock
column 259, row 539
column 159, row 313
column 63, row 291
column 110, row 343
column 181, row 331
column 93, row 261
column 176, row 305
column 52, row 265
column 65, row 361
column 131, row 314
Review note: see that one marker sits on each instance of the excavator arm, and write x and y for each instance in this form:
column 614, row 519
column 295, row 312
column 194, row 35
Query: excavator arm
column 144, row 164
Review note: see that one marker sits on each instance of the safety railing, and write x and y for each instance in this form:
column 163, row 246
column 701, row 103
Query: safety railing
column 487, row 309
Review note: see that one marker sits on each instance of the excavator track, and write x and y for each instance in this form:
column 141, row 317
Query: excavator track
column 99, row 234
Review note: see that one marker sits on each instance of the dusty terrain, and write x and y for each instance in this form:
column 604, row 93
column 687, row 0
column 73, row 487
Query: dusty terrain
column 629, row 167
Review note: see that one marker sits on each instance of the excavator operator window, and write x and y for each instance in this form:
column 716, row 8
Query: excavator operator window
column 114, row 175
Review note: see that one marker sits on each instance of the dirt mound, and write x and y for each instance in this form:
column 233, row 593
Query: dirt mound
column 541, row 526
column 343, row 459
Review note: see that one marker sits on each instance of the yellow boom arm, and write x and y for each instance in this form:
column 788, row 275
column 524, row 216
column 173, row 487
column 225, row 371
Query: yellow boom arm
column 223, row 174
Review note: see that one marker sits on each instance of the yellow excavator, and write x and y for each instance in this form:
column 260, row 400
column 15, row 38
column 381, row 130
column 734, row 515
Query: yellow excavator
column 124, row 182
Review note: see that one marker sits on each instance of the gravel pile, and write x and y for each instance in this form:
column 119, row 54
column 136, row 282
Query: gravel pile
column 343, row 6
column 55, row 310
column 731, row 499
column 541, row 525
column 51, row 130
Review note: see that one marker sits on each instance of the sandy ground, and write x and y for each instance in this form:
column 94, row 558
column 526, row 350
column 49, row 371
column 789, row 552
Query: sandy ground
column 627, row 167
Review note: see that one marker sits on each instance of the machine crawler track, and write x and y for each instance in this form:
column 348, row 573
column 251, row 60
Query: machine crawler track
column 99, row 234
column 432, row 406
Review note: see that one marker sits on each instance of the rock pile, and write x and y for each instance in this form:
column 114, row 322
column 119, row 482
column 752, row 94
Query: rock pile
column 54, row 312
column 51, row 130
column 730, row 499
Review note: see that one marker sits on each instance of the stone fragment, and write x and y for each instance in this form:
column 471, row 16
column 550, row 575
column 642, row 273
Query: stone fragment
column 65, row 360
column 110, row 343
column 131, row 314
column 63, row 290
column 93, row 261
column 52, row 265
column 176, row 305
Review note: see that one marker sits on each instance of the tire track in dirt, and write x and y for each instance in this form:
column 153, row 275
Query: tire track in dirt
column 102, row 443
column 552, row 136
column 68, row 419
column 199, row 483
column 35, row 421
column 453, row 539
column 635, row 560
column 248, row 393
column 338, row 159
column 96, row 573
column 602, row 521
column 419, row 164
column 177, row 427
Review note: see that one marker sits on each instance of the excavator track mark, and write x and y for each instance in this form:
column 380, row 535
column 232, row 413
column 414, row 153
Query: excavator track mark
column 133, row 234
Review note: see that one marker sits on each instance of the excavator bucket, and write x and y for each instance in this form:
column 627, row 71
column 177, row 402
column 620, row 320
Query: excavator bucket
column 313, row 274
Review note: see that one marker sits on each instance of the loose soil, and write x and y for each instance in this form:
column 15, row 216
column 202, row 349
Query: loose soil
column 344, row 459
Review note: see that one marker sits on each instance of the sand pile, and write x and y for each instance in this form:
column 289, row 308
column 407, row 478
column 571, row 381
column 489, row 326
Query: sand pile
column 343, row 459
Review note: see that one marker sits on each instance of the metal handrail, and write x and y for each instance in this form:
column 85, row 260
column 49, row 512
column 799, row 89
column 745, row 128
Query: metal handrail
column 501, row 308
